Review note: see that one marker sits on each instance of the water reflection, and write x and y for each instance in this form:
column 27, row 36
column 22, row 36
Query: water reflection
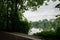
column 34, row 30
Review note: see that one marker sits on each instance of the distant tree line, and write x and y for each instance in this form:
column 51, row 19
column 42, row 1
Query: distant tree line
column 51, row 34
column 47, row 24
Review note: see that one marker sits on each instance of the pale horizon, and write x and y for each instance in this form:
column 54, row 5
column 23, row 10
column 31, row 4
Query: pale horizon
column 44, row 12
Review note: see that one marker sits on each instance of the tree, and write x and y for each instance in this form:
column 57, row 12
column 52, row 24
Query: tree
column 9, row 10
column 57, row 6
column 11, row 17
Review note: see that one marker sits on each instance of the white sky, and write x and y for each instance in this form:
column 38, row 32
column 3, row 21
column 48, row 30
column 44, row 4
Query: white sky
column 44, row 12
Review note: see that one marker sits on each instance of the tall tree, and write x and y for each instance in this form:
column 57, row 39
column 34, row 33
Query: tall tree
column 11, row 17
column 10, row 20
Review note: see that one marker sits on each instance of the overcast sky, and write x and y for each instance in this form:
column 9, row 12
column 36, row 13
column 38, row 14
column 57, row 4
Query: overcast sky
column 44, row 12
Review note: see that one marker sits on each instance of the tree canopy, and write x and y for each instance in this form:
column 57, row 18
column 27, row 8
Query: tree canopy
column 11, row 17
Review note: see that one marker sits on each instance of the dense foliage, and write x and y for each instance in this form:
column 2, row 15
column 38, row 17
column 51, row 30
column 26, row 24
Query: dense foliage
column 45, row 24
column 11, row 17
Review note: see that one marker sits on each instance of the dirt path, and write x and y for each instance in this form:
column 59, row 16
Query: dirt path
column 15, row 36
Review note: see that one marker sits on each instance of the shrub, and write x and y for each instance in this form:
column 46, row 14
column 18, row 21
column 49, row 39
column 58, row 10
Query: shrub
column 47, row 34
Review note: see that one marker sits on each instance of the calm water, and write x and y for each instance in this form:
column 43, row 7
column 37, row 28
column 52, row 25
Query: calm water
column 34, row 30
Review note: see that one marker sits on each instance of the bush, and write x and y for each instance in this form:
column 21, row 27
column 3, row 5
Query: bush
column 58, row 32
column 21, row 26
column 47, row 34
